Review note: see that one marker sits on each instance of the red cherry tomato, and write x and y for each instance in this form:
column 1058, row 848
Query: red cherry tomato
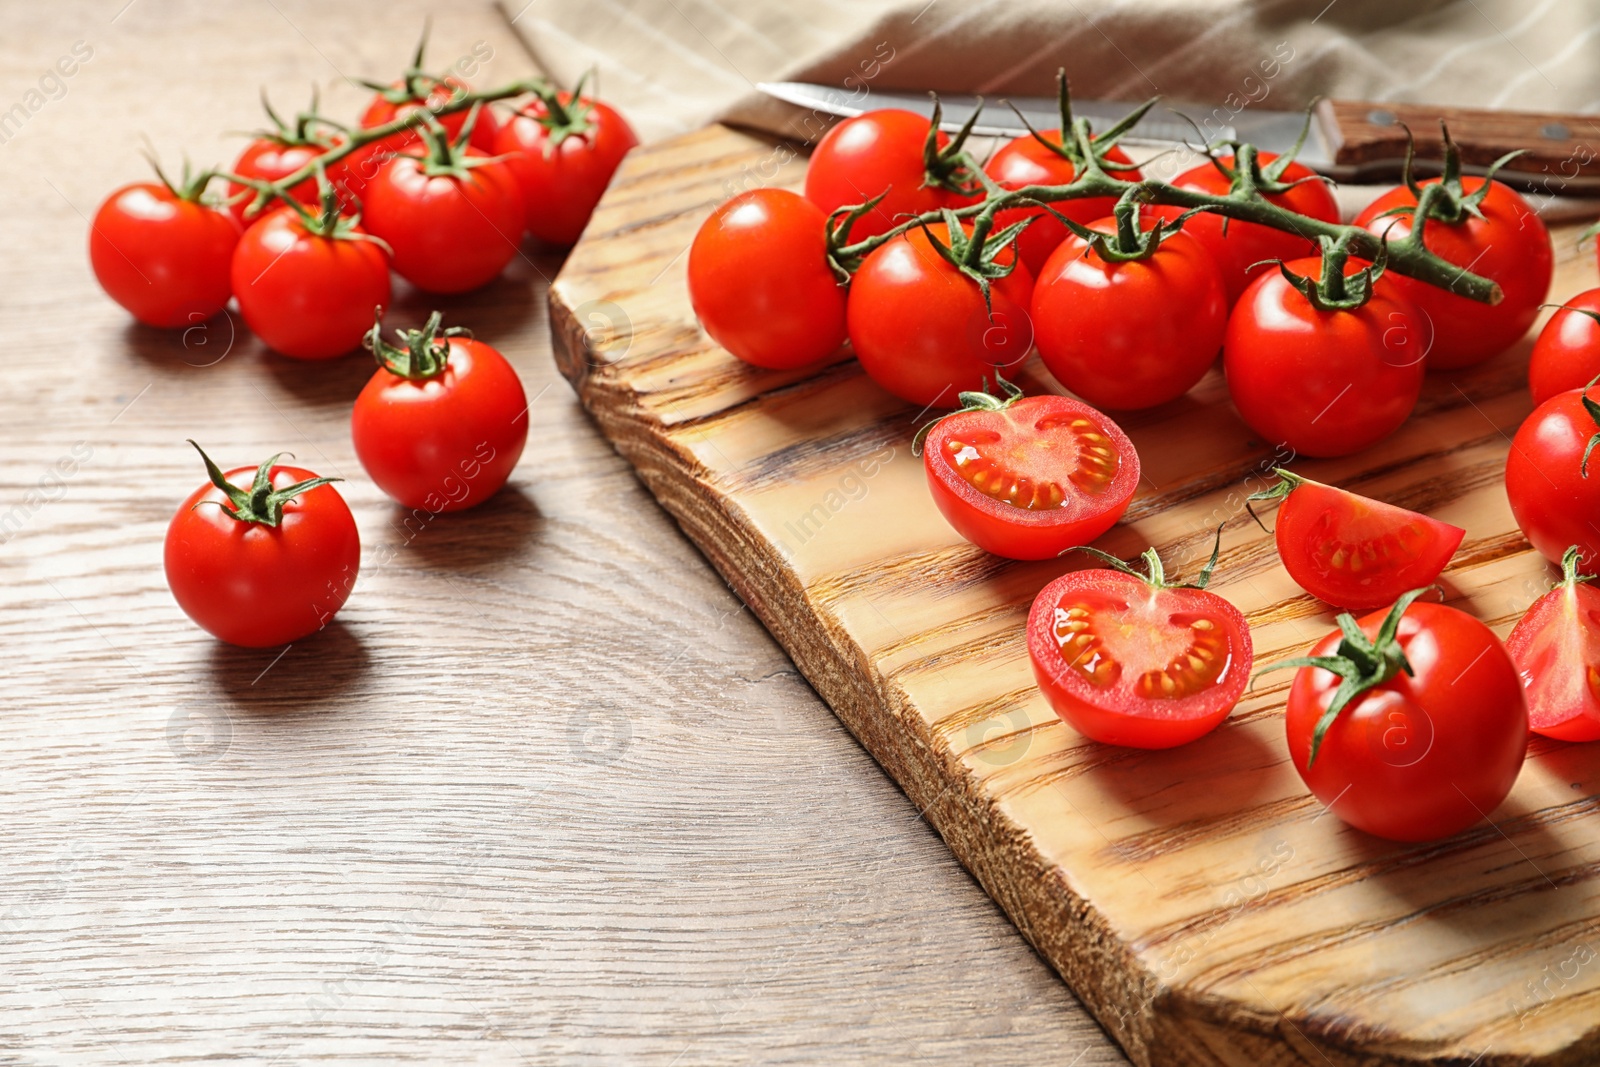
column 305, row 295
column 1556, row 647
column 1355, row 552
column 1030, row 480
column 1132, row 333
column 1324, row 383
column 1024, row 161
column 1554, row 497
column 450, row 232
column 1567, row 353
column 263, row 564
column 1127, row 661
column 1422, row 755
column 269, row 159
column 872, row 153
column 395, row 103
column 1508, row 245
column 760, row 283
column 442, row 423
column 920, row 328
column 561, row 182
column 163, row 258
column 1248, row 243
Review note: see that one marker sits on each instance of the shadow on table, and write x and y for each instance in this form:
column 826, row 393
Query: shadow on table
column 309, row 673
column 488, row 535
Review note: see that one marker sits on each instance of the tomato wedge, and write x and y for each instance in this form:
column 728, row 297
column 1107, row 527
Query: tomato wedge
column 1028, row 477
column 1556, row 647
column 1127, row 659
column 1352, row 551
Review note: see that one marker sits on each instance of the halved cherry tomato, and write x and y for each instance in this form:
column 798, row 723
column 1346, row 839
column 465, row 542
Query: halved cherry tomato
column 1352, row 551
column 1126, row 659
column 1030, row 477
column 563, row 159
column 1567, row 353
column 877, row 152
column 1553, row 481
column 920, row 327
column 1027, row 161
column 161, row 255
column 1556, row 647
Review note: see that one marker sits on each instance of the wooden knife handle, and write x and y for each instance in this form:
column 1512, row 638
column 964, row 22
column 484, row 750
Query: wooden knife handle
column 1562, row 146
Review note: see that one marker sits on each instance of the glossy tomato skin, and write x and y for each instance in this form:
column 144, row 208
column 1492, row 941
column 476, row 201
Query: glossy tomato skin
column 1067, row 498
column 380, row 112
column 1358, row 553
column 1324, row 383
column 443, row 443
column 561, row 184
column 1567, row 353
column 1509, row 245
column 1421, row 756
column 305, row 296
column 1024, row 161
column 1077, row 619
column 163, row 258
column 261, row 586
column 1556, row 648
column 449, row 234
column 920, row 328
column 868, row 154
column 1552, row 501
column 760, row 284
column 1132, row 334
column 268, row 160
column 1248, row 243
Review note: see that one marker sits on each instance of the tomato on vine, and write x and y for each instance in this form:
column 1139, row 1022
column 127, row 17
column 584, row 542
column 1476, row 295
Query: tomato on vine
column 1556, row 647
column 1352, row 551
column 1553, row 489
column 898, row 155
column 277, row 153
column 563, row 149
column 443, row 420
column 262, row 556
column 453, row 216
column 162, row 253
column 1567, row 353
column 1028, row 477
column 416, row 90
column 307, row 283
column 1131, row 659
column 1409, row 724
column 1128, row 319
column 760, row 283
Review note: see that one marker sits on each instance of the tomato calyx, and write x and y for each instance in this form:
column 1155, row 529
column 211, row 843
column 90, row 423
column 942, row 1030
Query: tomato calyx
column 976, row 255
column 1593, row 410
column 1336, row 290
column 300, row 133
column 947, row 168
column 973, row 400
column 330, row 222
column 422, row 354
column 1130, row 242
column 444, row 157
column 1068, row 146
column 562, row 120
column 416, row 84
column 1569, row 569
column 1154, row 573
column 193, row 185
column 1287, row 483
column 1362, row 663
column 262, row 504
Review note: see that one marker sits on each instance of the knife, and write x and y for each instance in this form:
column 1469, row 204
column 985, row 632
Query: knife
column 1349, row 141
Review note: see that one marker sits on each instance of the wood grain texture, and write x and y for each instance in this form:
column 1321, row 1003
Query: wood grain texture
column 1198, row 900
column 545, row 794
column 1560, row 147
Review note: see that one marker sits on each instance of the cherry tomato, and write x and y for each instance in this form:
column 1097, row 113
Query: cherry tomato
column 1247, row 243
column 1508, row 245
column 1024, row 161
column 1032, row 477
column 872, row 153
column 269, row 159
column 1324, row 383
column 308, row 295
column 760, row 283
column 1556, row 647
column 442, row 423
column 1567, row 353
column 563, row 162
column 262, row 556
column 1419, row 755
column 451, row 230
column 1127, row 660
column 920, row 328
column 399, row 100
column 1352, row 551
column 1130, row 333
column 1554, row 497
column 162, row 257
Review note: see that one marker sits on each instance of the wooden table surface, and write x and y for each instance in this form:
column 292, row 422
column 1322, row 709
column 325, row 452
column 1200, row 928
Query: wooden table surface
column 544, row 793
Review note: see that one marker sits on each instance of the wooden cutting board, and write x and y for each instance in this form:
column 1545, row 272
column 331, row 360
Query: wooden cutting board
column 1200, row 902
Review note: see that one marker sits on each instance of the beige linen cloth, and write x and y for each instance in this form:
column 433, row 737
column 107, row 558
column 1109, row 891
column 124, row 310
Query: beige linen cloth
column 674, row 65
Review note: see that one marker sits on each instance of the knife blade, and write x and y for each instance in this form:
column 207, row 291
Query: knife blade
column 1348, row 141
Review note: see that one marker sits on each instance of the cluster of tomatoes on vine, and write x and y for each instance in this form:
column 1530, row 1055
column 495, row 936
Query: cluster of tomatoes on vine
column 432, row 185
column 1128, row 300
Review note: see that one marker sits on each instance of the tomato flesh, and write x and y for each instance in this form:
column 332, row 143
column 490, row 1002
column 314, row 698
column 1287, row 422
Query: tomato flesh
column 1029, row 482
column 1358, row 553
column 1127, row 663
column 1556, row 647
